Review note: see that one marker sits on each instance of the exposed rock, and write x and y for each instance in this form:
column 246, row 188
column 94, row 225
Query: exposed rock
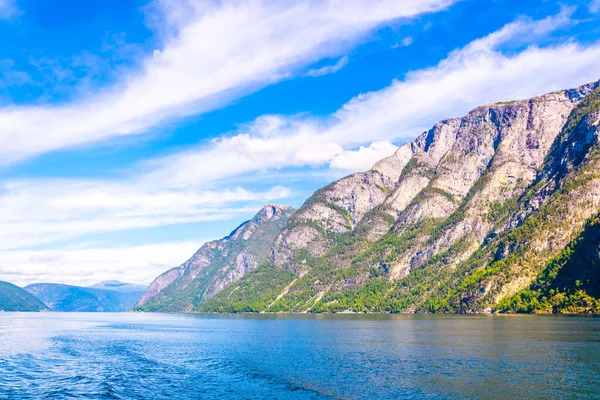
column 217, row 264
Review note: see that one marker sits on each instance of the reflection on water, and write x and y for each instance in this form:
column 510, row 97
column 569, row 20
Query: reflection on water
column 53, row 355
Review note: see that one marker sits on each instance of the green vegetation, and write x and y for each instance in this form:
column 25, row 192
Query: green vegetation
column 514, row 253
column 570, row 283
column 431, row 191
column 254, row 293
column 341, row 210
column 553, row 162
column 415, row 165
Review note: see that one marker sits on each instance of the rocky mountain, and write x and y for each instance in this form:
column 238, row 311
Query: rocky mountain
column 13, row 298
column 570, row 282
column 469, row 215
column 217, row 264
column 109, row 296
column 494, row 211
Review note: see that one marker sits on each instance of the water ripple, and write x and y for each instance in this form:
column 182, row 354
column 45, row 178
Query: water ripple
column 132, row 356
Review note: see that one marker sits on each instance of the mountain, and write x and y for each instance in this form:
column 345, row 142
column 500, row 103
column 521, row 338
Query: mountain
column 109, row 296
column 569, row 283
column 13, row 298
column 494, row 211
column 217, row 264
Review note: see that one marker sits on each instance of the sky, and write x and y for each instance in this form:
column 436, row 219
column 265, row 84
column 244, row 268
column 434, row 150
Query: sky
column 133, row 131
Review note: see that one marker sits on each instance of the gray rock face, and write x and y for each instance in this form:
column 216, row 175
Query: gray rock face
column 216, row 264
column 338, row 208
column 431, row 177
column 393, row 165
column 159, row 284
column 508, row 143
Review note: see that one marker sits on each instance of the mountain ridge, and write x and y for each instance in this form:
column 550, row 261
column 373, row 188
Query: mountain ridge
column 216, row 264
column 14, row 298
column 70, row 298
column 463, row 217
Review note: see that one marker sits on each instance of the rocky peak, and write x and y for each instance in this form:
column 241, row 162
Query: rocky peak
column 269, row 211
column 392, row 166
column 579, row 93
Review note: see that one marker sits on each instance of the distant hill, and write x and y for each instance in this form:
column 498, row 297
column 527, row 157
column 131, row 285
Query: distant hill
column 13, row 298
column 109, row 296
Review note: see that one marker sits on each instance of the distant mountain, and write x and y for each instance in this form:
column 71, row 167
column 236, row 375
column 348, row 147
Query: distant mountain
column 13, row 298
column 217, row 264
column 117, row 286
column 109, row 296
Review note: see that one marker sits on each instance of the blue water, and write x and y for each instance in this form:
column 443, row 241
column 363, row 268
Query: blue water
column 153, row 356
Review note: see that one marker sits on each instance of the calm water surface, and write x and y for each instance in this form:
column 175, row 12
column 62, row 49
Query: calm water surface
column 153, row 356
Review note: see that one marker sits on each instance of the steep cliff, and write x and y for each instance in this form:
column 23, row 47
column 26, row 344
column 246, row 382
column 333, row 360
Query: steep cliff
column 216, row 264
column 467, row 215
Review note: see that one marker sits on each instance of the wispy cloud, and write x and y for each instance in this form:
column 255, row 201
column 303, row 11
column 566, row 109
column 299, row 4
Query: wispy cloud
column 363, row 158
column 407, row 41
column 477, row 74
column 10, row 76
column 328, row 69
column 594, row 6
column 189, row 186
column 138, row 264
column 522, row 31
column 213, row 52
column 8, row 8
column 46, row 211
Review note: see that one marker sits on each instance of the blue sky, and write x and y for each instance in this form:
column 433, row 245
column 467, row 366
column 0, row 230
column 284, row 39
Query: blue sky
column 132, row 131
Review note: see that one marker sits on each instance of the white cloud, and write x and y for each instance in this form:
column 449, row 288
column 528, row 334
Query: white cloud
column 8, row 8
column 594, row 6
column 9, row 76
column 270, row 142
column 477, row 74
column 328, row 69
column 175, row 189
column 523, row 30
column 363, row 158
column 42, row 211
column 407, row 41
column 214, row 51
column 135, row 264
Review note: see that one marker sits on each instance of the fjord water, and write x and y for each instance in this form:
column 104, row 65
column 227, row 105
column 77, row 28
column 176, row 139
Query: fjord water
column 143, row 356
